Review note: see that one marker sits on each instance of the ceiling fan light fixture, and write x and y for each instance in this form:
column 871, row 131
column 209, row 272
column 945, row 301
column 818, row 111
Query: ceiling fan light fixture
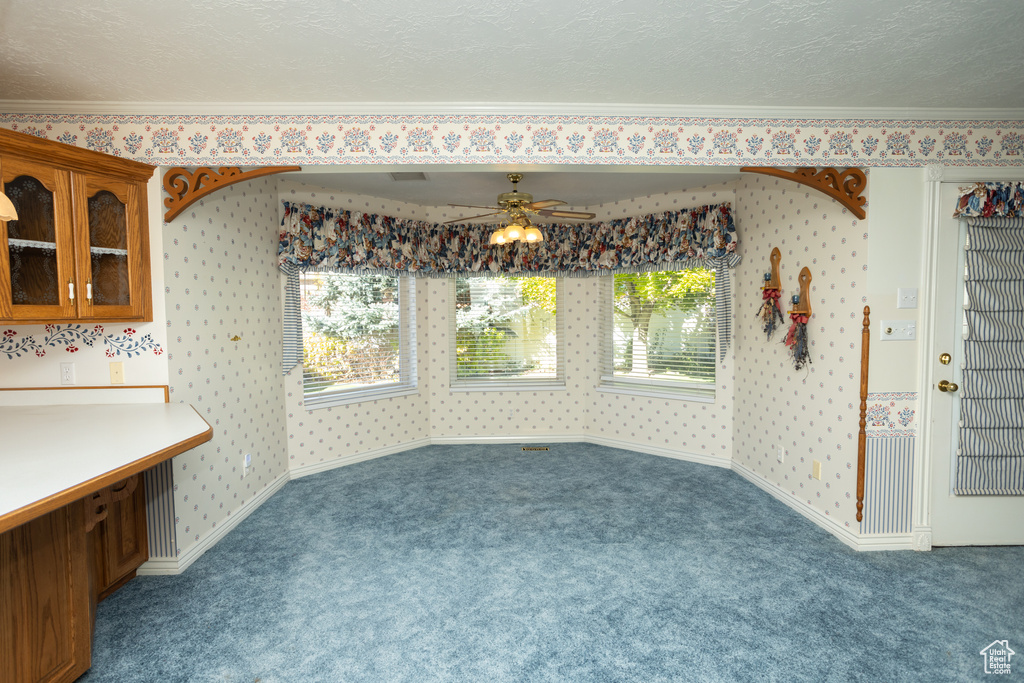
column 533, row 235
column 497, row 237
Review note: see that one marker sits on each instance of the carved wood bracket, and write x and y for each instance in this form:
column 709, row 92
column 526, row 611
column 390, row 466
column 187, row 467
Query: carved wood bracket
column 187, row 187
column 98, row 504
column 843, row 186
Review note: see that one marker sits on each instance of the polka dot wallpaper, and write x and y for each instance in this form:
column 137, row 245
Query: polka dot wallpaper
column 813, row 413
column 221, row 282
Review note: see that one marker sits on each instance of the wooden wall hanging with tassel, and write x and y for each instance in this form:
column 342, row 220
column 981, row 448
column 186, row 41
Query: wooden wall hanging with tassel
column 770, row 313
column 796, row 339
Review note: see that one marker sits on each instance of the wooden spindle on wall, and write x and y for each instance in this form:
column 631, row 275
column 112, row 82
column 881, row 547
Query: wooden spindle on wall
column 862, row 436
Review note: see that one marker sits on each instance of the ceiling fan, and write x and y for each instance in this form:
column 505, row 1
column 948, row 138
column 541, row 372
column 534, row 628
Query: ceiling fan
column 519, row 206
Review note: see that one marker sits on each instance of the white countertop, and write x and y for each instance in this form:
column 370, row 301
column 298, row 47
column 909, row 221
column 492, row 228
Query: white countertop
column 51, row 455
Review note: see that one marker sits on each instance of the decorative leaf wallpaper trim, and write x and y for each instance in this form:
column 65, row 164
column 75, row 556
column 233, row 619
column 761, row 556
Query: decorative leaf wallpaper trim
column 69, row 337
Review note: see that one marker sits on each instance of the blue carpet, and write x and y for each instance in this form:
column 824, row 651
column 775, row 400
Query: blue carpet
column 583, row 563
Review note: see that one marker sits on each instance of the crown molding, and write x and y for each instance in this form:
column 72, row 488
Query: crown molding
column 499, row 109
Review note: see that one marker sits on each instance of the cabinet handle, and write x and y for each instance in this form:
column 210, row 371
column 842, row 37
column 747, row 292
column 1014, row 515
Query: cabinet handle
column 71, row 290
column 88, row 290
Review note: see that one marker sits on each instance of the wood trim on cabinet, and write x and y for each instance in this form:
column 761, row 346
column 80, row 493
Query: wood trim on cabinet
column 15, row 144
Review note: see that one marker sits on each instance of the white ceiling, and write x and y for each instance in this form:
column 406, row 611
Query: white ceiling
column 758, row 58
column 453, row 54
column 579, row 187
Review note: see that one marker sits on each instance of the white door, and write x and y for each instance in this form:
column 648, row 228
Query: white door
column 958, row 520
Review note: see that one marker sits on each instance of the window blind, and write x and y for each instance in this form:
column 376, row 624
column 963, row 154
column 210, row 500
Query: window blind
column 659, row 331
column 357, row 335
column 505, row 330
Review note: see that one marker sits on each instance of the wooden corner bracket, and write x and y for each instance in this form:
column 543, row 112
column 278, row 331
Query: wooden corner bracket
column 843, row 186
column 187, row 187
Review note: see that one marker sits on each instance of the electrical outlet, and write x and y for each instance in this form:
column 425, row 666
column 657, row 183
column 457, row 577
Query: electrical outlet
column 906, row 297
column 246, row 464
column 117, row 373
column 816, row 469
column 782, row 454
column 67, row 373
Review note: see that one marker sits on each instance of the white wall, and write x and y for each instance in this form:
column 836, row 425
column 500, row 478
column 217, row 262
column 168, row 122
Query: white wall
column 895, row 259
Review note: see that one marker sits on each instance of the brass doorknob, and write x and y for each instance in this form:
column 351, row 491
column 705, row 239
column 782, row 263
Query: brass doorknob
column 946, row 385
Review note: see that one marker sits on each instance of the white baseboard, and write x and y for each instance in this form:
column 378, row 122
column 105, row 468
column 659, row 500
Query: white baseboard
column 306, row 470
column 713, row 460
column 479, row 440
column 180, row 563
column 855, row 541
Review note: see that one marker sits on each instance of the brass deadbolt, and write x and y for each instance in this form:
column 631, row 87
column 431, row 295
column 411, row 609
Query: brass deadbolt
column 945, row 358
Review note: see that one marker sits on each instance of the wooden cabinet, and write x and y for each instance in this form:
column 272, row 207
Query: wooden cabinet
column 45, row 616
column 120, row 543
column 80, row 247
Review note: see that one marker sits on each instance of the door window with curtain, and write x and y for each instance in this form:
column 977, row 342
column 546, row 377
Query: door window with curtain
column 990, row 456
column 990, row 431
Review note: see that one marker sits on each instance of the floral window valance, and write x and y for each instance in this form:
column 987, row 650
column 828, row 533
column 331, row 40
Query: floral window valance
column 318, row 238
column 991, row 200
column 321, row 239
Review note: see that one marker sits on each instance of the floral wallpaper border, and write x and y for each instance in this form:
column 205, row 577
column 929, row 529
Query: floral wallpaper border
column 892, row 414
column 611, row 140
column 70, row 337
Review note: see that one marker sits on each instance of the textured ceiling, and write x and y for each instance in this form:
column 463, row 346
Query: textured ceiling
column 579, row 187
column 898, row 54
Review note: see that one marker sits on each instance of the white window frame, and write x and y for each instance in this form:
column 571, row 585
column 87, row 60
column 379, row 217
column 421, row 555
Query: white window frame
column 508, row 383
column 405, row 386
column 637, row 386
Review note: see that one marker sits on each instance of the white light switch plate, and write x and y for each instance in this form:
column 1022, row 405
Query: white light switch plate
column 906, row 297
column 897, row 330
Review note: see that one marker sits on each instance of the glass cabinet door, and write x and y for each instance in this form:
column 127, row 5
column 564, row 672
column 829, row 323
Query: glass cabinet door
column 111, row 215
column 36, row 261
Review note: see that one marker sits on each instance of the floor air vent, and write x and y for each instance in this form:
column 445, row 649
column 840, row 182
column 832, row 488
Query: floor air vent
column 535, row 448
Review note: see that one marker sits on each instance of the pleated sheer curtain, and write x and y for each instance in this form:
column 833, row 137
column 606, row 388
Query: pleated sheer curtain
column 990, row 456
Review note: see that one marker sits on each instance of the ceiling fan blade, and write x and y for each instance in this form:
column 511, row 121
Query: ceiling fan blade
column 474, row 206
column 543, row 204
column 469, row 218
column 555, row 213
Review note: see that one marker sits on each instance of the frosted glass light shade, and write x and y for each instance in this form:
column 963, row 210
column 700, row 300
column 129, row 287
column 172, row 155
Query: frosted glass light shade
column 497, row 237
column 533, row 235
column 513, row 232
column 7, row 211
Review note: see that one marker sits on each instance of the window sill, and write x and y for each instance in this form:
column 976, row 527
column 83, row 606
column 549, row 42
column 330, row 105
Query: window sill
column 651, row 392
column 364, row 396
column 505, row 386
